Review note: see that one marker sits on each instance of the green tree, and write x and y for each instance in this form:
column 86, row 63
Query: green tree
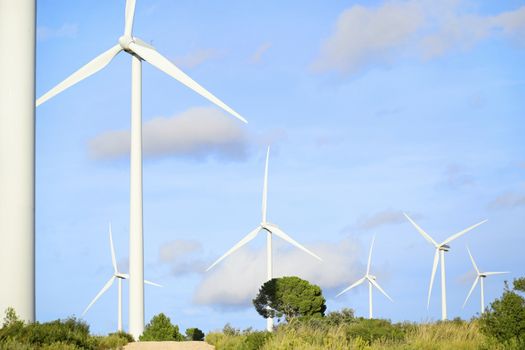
column 505, row 317
column 160, row 328
column 194, row 334
column 289, row 297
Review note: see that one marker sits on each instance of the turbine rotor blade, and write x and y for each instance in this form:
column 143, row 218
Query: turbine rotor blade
column 370, row 255
column 278, row 232
column 242, row 242
column 473, row 262
column 89, row 69
column 471, row 290
column 265, row 187
column 379, row 288
column 358, row 282
column 130, row 13
column 156, row 59
column 113, row 258
column 420, row 230
column 152, row 283
column 495, row 273
column 434, row 268
column 461, row 233
column 102, row 291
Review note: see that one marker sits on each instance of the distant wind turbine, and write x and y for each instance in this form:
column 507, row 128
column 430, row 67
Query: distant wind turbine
column 441, row 248
column 116, row 275
column 271, row 229
column 480, row 277
column 139, row 51
column 371, row 282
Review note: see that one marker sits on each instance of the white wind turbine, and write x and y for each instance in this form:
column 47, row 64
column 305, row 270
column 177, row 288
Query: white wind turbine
column 371, row 282
column 139, row 51
column 441, row 248
column 116, row 275
column 271, row 229
column 480, row 277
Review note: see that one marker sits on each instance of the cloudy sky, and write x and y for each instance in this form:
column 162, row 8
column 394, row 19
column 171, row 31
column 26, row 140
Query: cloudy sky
column 371, row 109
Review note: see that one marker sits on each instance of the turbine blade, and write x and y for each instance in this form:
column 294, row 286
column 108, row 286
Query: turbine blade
column 242, row 242
column 130, row 13
column 113, row 258
column 91, row 68
column 471, row 290
column 461, row 233
column 495, row 273
column 420, row 230
column 152, row 283
column 156, row 59
column 370, row 256
column 379, row 287
column 434, row 268
column 358, row 282
column 102, row 291
column 265, row 187
column 473, row 262
column 277, row 231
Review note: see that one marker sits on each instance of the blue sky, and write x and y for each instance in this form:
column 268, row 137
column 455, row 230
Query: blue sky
column 371, row 109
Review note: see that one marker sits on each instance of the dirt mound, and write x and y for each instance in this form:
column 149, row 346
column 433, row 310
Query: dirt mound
column 169, row 345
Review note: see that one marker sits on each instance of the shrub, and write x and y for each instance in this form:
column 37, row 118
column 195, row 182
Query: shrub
column 194, row 334
column 505, row 317
column 160, row 328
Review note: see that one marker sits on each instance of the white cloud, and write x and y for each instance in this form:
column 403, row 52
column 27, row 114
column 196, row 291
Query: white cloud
column 508, row 200
column 257, row 56
column 181, row 254
column 236, row 280
column 368, row 35
column 196, row 58
column 67, row 30
column 197, row 133
column 381, row 218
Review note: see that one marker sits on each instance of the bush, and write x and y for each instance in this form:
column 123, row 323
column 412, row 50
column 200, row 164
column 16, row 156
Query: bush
column 194, row 334
column 160, row 328
column 505, row 317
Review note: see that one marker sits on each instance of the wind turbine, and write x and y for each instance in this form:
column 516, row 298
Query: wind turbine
column 116, row 275
column 480, row 277
column 271, row 229
column 441, row 248
column 371, row 282
column 139, row 51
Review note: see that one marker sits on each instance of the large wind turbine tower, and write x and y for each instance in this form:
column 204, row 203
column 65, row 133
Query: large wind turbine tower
column 17, row 157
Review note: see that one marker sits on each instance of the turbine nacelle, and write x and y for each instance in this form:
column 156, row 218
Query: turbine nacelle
column 121, row 276
column 444, row 247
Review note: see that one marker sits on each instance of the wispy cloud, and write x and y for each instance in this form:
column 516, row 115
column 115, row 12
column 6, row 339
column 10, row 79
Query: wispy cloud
column 508, row 200
column 198, row 133
column 261, row 50
column 378, row 35
column 223, row 287
column 182, row 256
column 455, row 176
column 67, row 30
column 385, row 217
column 196, row 58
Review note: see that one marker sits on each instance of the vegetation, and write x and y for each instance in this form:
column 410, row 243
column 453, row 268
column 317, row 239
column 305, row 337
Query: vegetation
column 194, row 334
column 160, row 328
column 68, row 334
column 504, row 319
column 290, row 297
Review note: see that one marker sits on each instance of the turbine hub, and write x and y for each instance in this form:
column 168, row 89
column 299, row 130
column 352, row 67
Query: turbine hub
column 444, row 247
column 124, row 41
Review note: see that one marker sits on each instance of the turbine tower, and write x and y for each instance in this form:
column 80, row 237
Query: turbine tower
column 116, row 275
column 371, row 282
column 441, row 248
column 139, row 51
column 271, row 229
column 480, row 277
column 17, row 157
